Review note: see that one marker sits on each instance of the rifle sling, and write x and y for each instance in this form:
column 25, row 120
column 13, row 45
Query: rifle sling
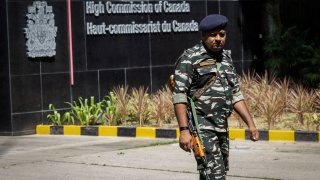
column 195, row 118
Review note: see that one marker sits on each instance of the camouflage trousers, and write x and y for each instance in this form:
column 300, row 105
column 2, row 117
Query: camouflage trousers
column 216, row 146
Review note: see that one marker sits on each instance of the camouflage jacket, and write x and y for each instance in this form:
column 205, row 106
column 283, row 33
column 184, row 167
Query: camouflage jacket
column 193, row 69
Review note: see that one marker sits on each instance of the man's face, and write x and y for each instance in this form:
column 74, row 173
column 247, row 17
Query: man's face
column 214, row 40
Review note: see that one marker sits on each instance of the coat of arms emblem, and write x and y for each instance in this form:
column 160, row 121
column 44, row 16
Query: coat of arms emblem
column 41, row 30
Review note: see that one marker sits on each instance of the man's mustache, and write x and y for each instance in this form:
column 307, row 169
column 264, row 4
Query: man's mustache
column 215, row 42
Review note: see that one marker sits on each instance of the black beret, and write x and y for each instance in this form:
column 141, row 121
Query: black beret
column 212, row 22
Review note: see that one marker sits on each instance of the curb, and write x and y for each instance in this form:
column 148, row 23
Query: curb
column 150, row 132
column 138, row 132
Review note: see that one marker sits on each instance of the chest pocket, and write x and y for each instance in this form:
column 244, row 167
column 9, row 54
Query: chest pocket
column 206, row 67
column 205, row 70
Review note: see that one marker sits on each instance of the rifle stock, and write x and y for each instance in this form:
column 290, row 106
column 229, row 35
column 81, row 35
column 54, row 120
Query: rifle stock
column 171, row 82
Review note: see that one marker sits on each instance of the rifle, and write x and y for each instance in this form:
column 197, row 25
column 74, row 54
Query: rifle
column 198, row 148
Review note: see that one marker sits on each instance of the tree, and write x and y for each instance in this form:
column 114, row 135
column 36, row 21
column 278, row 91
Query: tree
column 290, row 50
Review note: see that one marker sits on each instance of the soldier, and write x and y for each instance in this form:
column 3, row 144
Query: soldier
column 205, row 73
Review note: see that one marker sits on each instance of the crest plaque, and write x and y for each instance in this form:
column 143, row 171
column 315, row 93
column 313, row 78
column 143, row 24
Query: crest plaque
column 41, row 30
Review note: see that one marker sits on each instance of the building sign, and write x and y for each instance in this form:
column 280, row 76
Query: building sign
column 41, row 30
column 113, row 8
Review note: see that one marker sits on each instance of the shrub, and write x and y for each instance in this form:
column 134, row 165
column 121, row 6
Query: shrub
column 300, row 101
column 266, row 97
column 109, row 105
column 122, row 102
column 140, row 105
column 162, row 106
column 87, row 114
column 56, row 119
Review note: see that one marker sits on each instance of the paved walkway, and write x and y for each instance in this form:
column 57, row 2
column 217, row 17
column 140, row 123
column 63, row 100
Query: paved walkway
column 119, row 158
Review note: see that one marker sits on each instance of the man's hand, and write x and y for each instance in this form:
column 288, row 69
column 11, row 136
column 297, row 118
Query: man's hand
column 185, row 141
column 254, row 134
column 242, row 110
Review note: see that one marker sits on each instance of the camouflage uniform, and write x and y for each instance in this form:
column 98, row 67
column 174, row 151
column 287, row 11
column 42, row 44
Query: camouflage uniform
column 193, row 69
